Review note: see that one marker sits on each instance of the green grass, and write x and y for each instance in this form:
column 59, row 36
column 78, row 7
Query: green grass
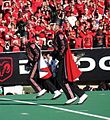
column 17, row 108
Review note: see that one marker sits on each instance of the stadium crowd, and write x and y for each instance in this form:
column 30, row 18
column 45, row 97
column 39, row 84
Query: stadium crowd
column 86, row 23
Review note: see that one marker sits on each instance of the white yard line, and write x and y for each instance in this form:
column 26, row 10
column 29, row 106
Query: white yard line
column 59, row 108
column 82, row 113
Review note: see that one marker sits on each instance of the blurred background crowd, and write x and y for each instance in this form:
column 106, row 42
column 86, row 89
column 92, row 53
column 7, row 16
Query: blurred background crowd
column 86, row 23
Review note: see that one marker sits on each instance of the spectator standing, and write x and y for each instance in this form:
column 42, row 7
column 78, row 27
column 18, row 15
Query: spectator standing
column 2, row 45
column 107, row 34
column 7, row 43
column 15, row 44
column 99, row 39
column 88, row 39
column 80, row 7
column 72, row 36
column 78, row 42
column 101, row 6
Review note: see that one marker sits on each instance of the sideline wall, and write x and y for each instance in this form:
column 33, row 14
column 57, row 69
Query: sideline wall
column 95, row 65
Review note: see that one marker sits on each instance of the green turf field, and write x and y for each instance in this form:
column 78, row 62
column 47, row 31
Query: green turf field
column 27, row 107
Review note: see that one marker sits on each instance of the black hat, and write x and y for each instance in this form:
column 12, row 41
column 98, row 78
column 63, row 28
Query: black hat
column 58, row 22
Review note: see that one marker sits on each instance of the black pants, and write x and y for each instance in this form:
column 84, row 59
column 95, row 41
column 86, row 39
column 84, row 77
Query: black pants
column 68, row 88
column 55, row 82
column 74, row 87
column 39, row 84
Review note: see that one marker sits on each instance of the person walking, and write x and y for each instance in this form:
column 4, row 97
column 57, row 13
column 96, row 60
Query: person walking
column 68, row 70
column 39, row 74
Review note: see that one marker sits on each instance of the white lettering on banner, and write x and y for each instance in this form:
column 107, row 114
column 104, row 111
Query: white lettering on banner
column 22, row 67
column 102, row 63
column 91, row 62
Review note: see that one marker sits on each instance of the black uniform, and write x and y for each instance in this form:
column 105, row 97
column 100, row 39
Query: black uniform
column 33, row 54
column 60, row 48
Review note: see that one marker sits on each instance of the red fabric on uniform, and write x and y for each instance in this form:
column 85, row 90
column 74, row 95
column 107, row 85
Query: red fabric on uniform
column 49, row 73
column 73, row 71
column 44, row 71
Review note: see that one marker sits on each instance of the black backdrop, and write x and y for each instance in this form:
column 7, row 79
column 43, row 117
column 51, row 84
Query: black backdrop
column 95, row 65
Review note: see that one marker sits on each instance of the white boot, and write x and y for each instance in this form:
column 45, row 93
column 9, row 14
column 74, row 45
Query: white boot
column 61, row 90
column 82, row 98
column 70, row 101
column 57, row 94
column 42, row 92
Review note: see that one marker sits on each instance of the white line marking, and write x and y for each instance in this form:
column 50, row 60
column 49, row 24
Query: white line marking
column 58, row 108
column 30, row 103
column 18, row 101
column 24, row 113
column 82, row 113
column 5, row 99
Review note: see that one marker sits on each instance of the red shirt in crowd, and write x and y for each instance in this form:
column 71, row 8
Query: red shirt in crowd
column 15, row 43
column 101, row 6
column 36, row 4
column 78, row 42
column 107, row 39
column 88, row 40
column 2, row 44
column 80, row 8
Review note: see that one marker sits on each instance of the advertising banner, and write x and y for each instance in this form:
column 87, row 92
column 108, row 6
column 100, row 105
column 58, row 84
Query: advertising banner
column 95, row 66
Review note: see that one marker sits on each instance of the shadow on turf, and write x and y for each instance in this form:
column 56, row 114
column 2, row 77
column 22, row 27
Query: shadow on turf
column 5, row 100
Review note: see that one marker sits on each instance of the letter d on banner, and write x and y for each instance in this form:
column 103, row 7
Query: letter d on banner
column 102, row 64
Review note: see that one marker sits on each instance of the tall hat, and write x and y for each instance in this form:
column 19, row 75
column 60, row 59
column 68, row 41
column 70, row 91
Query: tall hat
column 58, row 22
